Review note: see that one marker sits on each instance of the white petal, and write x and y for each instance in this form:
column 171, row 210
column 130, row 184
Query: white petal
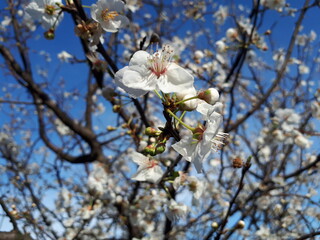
column 186, row 147
column 94, row 12
column 136, row 77
column 176, row 79
column 124, row 21
column 131, row 91
column 139, row 158
column 155, row 175
column 139, row 58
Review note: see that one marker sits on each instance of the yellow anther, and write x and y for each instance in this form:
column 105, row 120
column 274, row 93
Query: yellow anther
column 50, row 9
column 108, row 15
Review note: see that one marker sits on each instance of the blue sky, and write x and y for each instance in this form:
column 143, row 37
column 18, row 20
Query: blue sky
column 74, row 74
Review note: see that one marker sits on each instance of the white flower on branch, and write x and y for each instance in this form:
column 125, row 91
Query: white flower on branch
column 287, row 119
column 148, row 72
column 149, row 169
column 47, row 11
column 196, row 146
column 176, row 210
column 108, row 14
column 64, row 56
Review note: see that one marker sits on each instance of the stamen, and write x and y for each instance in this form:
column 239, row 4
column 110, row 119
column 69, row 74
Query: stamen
column 108, row 15
column 219, row 141
column 49, row 9
column 160, row 60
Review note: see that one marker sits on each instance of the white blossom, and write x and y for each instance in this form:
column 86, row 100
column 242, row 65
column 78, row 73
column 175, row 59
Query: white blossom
column 274, row 4
column 287, row 119
column 176, row 210
column 221, row 14
column 195, row 146
column 153, row 72
column 46, row 11
column 149, row 169
column 64, row 56
column 108, row 14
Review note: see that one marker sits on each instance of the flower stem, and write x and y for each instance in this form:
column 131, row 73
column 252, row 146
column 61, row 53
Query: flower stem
column 158, row 94
column 182, row 101
column 182, row 115
column 179, row 120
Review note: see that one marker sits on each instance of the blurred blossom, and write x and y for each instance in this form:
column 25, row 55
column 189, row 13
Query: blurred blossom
column 303, row 69
column 263, row 232
column 221, row 14
column 175, row 210
column 302, row 141
column 287, row 119
column 64, row 56
column 45, row 11
column 149, row 169
column 274, row 4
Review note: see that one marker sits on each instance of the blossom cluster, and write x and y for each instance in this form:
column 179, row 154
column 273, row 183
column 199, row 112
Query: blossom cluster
column 159, row 73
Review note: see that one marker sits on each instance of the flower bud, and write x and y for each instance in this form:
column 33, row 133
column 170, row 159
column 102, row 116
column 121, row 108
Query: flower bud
column 111, row 128
column 150, row 149
column 116, row 108
column 232, row 34
column 237, row 162
column 160, row 148
column 154, row 38
column 49, row 35
column 241, row 224
column 220, row 46
column 182, row 95
column 152, row 132
column 188, row 105
column 214, row 225
column 210, row 95
column 198, row 55
column 268, row 32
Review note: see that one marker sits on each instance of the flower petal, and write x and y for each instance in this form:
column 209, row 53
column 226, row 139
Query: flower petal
column 139, row 58
column 133, row 92
column 176, row 79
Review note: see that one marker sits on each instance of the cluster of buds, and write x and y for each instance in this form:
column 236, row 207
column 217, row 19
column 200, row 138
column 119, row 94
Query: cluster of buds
column 155, row 148
column 159, row 146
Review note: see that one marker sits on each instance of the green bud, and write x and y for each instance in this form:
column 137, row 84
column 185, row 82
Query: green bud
column 160, row 148
column 152, row 132
column 49, row 35
column 151, row 150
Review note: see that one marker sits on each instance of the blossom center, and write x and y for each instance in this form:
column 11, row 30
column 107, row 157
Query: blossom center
column 108, row 15
column 160, row 60
column 50, row 9
column 152, row 164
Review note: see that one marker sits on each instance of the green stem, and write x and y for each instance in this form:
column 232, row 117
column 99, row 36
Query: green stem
column 86, row 6
column 180, row 121
column 182, row 115
column 158, row 94
column 182, row 101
